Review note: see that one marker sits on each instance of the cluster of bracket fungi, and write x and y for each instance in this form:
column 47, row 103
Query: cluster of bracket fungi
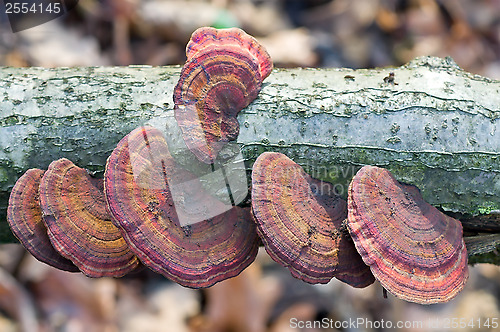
column 109, row 227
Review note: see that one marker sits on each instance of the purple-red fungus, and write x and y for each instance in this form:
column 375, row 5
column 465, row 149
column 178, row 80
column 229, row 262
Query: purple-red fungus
column 79, row 223
column 299, row 219
column 223, row 74
column 415, row 251
column 25, row 220
column 207, row 38
column 207, row 249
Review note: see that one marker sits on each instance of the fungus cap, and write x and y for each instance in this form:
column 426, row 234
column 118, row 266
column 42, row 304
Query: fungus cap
column 24, row 216
column 223, row 74
column 207, row 38
column 79, row 223
column 198, row 254
column 415, row 251
column 299, row 219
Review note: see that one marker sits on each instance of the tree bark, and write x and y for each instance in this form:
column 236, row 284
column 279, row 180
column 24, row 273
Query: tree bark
column 430, row 123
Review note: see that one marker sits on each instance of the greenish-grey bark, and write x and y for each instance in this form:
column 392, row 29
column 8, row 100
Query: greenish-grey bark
column 431, row 124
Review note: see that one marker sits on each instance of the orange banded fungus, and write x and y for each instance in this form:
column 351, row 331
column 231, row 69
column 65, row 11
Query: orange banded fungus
column 79, row 223
column 223, row 74
column 25, row 220
column 415, row 251
column 299, row 219
column 196, row 254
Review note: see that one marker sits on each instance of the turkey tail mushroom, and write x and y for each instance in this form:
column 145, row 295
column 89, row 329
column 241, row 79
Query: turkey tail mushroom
column 24, row 216
column 79, row 224
column 199, row 252
column 415, row 251
column 299, row 219
column 223, row 74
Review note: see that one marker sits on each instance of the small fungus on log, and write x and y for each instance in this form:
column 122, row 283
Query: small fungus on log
column 200, row 253
column 223, row 74
column 24, row 215
column 299, row 220
column 79, row 224
column 415, row 251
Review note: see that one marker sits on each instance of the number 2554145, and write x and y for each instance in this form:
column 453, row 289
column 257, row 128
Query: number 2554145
column 32, row 8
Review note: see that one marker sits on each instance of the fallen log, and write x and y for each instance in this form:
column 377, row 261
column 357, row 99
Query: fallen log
column 429, row 122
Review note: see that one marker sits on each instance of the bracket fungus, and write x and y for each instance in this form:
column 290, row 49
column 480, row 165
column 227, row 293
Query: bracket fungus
column 299, row 219
column 24, row 216
column 199, row 252
column 223, row 74
column 79, row 223
column 415, row 251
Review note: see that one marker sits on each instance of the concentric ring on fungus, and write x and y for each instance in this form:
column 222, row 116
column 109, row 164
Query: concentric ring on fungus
column 137, row 179
column 25, row 220
column 299, row 219
column 207, row 38
column 415, row 251
column 223, row 74
column 79, row 223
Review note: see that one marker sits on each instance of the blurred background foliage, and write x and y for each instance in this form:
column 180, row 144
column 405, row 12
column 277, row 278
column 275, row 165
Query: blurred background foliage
column 309, row 33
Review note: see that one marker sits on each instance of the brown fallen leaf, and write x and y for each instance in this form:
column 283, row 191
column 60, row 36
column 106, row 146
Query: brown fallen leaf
column 242, row 303
column 16, row 301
